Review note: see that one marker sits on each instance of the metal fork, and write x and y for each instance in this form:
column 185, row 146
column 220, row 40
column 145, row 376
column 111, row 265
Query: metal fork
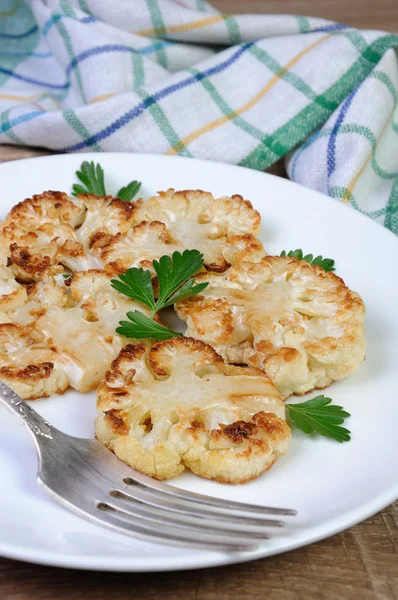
column 88, row 479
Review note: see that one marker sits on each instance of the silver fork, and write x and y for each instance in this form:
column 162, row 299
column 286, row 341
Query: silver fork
column 85, row 477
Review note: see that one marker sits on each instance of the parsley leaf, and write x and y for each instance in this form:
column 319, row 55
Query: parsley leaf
column 140, row 326
column 174, row 272
column 175, row 282
column 128, row 192
column 318, row 415
column 136, row 284
column 326, row 263
column 91, row 176
column 186, row 291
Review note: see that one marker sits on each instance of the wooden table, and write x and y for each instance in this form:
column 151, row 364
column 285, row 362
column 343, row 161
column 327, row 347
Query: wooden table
column 359, row 564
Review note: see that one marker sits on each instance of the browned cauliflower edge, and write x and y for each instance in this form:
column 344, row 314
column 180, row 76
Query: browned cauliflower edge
column 27, row 364
column 178, row 405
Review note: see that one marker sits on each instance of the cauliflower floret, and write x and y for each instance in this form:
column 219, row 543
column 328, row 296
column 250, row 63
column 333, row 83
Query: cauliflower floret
column 27, row 364
column 179, row 405
column 300, row 324
column 105, row 217
column 193, row 219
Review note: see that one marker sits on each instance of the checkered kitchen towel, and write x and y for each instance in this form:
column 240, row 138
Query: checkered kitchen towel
column 177, row 77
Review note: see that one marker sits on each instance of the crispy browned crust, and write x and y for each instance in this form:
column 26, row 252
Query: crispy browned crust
column 29, row 373
column 115, row 203
column 219, row 268
column 30, row 264
column 59, row 200
column 131, row 352
column 115, row 418
column 34, row 380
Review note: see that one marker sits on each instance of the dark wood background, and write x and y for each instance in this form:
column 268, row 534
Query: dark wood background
column 359, row 564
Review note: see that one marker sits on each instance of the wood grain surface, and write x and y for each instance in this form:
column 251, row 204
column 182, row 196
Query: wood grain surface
column 364, row 14
column 359, row 564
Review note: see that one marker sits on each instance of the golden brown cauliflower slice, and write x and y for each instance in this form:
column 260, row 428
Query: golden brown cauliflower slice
column 27, row 364
column 177, row 405
column 40, row 233
column 51, row 229
column 221, row 228
column 299, row 323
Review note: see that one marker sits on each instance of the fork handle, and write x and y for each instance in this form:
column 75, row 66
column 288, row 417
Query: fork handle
column 37, row 425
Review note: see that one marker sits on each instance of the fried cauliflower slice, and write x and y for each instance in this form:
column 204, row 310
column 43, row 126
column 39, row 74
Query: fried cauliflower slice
column 52, row 229
column 39, row 233
column 221, row 228
column 299, row 323
column 27, row 364
column 177, row 405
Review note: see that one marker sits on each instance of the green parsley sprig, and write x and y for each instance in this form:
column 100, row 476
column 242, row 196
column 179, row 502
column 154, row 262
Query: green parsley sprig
column 326, row 263
column 175, row 283
column 91, row 176
column 318, row 415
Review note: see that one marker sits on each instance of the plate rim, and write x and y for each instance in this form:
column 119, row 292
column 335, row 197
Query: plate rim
column 197, row 561
column 114, row 565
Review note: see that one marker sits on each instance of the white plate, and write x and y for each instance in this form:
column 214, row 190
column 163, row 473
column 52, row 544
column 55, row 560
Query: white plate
column 333, row 486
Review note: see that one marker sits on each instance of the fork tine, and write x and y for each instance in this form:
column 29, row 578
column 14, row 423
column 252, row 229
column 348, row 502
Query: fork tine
column 241, row 507
column 178, row 506
column 167, row 535
column 183, row 530
column 179, row 516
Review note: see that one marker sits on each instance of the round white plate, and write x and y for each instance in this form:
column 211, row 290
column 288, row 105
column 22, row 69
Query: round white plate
column 332, row 485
